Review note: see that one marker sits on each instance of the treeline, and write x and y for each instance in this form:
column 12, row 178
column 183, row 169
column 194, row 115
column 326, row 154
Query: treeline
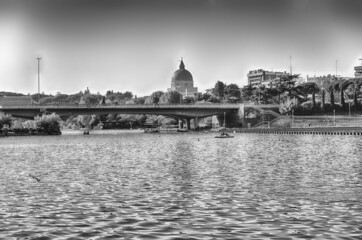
column 308, row 98
column 46, row 124
column 88, row 98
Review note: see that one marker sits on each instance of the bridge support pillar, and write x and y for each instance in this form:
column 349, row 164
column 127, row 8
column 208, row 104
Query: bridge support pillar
column 188, row 123
column 180, row 123
column 196, row 123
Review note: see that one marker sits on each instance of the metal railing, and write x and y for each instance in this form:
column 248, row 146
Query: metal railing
column 125, row 106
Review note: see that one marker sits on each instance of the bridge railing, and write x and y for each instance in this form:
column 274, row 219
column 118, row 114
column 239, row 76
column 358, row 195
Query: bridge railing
column 125, row 106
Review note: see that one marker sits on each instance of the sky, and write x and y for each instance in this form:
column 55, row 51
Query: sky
column 136, row 45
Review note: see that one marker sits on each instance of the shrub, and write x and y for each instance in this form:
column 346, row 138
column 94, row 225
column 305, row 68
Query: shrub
column 49, row 123
column 5, row 119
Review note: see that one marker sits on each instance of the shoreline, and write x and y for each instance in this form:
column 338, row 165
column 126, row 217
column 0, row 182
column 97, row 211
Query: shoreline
column 287, row 130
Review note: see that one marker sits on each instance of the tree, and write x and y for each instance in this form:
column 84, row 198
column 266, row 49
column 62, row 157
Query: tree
column 323, row 100
column 128, row 95
column 330, row 89
column 174, row 97
column 103, row 101
column 219, row 89
column 189, row 100
column 155, row 97
column 214, row 99
column 87, row 91
column 206, row 96
column 284, row 84
column 140, row 100
column 306, row 89
column 232, row 91
column 357, row 83
column 199, row 96
column 49, row 123
column 340, row 86
column 247, row 92
column 5, row 119
column 91, row 99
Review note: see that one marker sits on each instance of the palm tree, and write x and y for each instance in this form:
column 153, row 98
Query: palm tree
column 247, row 92
column 357, row 82
column 285, row 84
column 323, row 100
column 306, row 89
column 340, row 86
column 330, row 89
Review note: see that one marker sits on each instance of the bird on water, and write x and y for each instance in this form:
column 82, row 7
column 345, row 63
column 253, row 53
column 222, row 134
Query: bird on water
column 37, row 178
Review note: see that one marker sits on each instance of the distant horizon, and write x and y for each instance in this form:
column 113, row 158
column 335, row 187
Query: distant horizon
column 95, row 91
column 136, row 45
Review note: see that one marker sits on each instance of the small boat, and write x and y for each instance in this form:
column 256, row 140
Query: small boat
column 224, row 135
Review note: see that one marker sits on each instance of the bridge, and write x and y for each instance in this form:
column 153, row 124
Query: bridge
column 233, row 113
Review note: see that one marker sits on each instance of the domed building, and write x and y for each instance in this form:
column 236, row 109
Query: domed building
column 182, row 81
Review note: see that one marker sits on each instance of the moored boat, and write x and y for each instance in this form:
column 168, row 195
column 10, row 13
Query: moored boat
column 224, row 135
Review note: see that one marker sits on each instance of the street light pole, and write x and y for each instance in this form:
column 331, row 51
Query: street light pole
column 291, row 106
column 334, row 117
column 38, row 80
column 349, row 108
column 224, row 119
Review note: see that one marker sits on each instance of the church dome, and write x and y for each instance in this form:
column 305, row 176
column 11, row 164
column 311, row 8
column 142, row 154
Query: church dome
column 182, row 74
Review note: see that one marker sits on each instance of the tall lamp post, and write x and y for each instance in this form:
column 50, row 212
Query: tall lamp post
column 349, row 108
column 334, row 117
column 38, row 80
column 292, row 105
column 224, row 119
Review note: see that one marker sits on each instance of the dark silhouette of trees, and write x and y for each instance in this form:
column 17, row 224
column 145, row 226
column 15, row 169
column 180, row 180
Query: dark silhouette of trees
column 5, row 119
column 308, row 88
column 155, row 97
column 247, row 93
column 174, row 97
column 330, row 90
column 219, row 89
column 232, row 92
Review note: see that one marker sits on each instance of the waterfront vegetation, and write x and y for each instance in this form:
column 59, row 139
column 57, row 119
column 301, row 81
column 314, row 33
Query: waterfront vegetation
column 44, row 125
column 332, row 96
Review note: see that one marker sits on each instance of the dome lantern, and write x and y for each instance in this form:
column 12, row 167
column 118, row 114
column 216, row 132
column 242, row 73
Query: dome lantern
column 182, row 65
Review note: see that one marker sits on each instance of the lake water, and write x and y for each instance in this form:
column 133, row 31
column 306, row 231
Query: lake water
column 126, row 185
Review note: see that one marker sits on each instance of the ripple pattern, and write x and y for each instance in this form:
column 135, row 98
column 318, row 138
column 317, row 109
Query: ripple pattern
column 181, row 186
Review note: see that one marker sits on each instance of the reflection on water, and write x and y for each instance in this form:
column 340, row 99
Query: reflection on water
column 181, row 186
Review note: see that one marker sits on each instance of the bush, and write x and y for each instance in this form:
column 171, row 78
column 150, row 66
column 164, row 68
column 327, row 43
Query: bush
column 5, row 119
column 49, row 123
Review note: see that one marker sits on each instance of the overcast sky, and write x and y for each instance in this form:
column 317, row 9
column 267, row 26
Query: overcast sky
column 136, row 45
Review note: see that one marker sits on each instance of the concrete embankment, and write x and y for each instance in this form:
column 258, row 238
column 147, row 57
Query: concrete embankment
column 313, row 131
column 28, row 134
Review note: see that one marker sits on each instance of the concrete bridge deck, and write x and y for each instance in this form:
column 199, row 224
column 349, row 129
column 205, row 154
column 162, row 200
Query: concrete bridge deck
column 174, row 110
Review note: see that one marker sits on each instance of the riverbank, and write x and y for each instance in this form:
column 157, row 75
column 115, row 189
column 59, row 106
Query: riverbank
column 103, row 131
column 310, row 130
column 307, row 130
column 14, row 134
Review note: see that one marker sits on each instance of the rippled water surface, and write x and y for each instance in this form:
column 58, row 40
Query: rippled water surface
column 181, row 186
